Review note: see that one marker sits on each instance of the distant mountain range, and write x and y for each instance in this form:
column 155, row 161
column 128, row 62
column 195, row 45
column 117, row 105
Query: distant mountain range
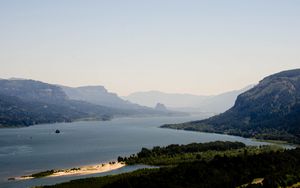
column 187, row 102
column 28, row 102
column 270, row 110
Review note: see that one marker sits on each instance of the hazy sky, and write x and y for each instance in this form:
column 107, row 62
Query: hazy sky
column 184, row 46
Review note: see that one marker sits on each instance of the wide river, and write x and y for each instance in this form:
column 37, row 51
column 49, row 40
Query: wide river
column 37, row 148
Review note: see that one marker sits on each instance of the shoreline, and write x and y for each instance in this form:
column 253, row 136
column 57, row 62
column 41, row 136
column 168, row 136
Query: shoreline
column 279, row 142
column 83, row 170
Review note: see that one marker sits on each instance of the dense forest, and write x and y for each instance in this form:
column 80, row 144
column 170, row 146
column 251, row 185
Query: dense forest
column 251, row 167
column 175, row 154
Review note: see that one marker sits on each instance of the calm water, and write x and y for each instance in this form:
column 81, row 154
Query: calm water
column 38, row 148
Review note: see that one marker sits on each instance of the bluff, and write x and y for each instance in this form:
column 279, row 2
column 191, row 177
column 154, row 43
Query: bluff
column 270, row 110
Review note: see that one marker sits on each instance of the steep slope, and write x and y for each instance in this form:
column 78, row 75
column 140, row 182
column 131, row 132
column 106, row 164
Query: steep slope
column 30, row 90
column 15, row 112
column 270, row 110
column 222, row 102
column 28, row 102
column 98, row 95
column 160, row 107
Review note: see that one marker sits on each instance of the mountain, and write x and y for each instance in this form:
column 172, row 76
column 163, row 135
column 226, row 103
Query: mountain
column 30, row 90
column 28, row 102
column 270, row 110
column 160, row 107
column 100, row 96
column 16, row 112
column 187, row 102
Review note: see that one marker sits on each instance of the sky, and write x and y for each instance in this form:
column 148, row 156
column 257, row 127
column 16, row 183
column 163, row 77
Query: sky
column 175, row 46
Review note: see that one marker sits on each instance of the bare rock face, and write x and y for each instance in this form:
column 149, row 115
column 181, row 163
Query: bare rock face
column 160, row 107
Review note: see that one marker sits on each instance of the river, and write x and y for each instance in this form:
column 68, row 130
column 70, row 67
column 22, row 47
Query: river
column 24, row 151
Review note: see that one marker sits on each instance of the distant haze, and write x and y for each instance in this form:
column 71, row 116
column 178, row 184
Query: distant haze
column 186, row 102
column 174, row 46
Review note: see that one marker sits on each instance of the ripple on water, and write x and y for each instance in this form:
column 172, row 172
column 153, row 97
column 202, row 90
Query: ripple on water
column 15, row 150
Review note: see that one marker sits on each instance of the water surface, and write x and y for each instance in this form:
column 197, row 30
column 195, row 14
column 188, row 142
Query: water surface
column 38, row 148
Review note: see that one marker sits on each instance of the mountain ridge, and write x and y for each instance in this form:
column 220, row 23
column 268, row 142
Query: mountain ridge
column 98, row 95
column 25, row 102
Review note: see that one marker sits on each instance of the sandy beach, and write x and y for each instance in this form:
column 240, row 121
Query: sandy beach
column 92, row 169
column 83, row 170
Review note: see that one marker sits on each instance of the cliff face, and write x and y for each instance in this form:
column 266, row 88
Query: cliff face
column 160, row 107
column 270, row 110
column 274, row 95
column 271, row 103
column 100, row 96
